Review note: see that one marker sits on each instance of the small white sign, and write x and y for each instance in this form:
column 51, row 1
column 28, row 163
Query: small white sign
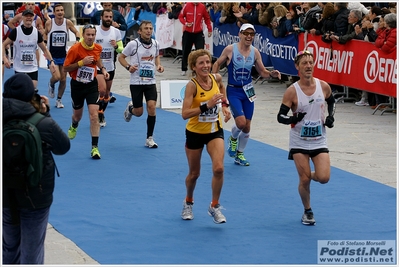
column 172, row 93
column 9, row 12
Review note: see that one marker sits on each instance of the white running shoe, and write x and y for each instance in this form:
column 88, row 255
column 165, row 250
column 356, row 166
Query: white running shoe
column 216, row 213
column 51, row 90
column 150, row 143
column 362, row 102
column 308, row 218
column 127, row 114
column 183, row 73
column 187, row 213
column 58, row 104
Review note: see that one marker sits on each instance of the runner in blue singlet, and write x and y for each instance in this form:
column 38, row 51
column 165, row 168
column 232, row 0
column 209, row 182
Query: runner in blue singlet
column 240, row 58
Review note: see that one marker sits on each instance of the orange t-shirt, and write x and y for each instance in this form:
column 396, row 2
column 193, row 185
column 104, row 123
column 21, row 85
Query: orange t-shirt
column 78, row 52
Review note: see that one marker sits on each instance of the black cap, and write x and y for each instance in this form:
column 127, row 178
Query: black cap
column 27, row 12
column 19, row 86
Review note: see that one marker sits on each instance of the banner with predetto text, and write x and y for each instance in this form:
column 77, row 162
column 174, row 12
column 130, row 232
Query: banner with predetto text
column 356, row 64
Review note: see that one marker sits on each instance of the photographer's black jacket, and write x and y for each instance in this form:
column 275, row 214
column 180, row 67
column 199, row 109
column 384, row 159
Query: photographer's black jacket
column 56, row 142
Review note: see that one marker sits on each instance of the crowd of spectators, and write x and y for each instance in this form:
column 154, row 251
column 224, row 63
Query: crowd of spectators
column 333, row 21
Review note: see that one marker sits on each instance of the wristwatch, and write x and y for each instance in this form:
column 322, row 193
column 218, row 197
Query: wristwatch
column 127, row 67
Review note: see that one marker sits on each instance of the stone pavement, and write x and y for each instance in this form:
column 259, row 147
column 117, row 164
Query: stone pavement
column 360, row 143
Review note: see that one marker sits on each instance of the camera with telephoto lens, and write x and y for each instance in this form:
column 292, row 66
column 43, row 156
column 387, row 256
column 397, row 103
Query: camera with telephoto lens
column 326, row 37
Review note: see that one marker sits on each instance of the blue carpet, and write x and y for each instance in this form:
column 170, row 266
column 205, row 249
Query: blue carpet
column 125, row 208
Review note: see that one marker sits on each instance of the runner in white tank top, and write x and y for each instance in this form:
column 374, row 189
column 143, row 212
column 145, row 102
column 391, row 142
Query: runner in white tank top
column 309, row 133
column 307, row 100
column 110, row 39
column 141, row 59
column 26, row 40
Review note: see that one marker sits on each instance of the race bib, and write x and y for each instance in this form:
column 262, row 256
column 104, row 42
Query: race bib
column 146, row 72
column 106, row 55
column 27, row 57
column 58, row 39
column 211, row 115
column 311, row 129
column 249, row 91
column 85, row 74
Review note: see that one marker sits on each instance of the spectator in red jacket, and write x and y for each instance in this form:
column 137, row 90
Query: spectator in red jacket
column 386, row 39
column 191, row 17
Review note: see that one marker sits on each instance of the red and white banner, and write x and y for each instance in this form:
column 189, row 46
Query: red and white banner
column 356, row 64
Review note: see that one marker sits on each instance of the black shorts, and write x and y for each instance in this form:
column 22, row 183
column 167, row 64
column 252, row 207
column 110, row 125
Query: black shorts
column 312, row 153
column 111, row 74
column 197, row 141
column 84, row 91
column 138, row 91
column 33, row 75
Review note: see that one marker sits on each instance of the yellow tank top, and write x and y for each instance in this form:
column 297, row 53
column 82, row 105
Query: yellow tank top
column 209, row 121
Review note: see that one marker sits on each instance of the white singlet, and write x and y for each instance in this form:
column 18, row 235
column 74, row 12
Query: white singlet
column 310, row 132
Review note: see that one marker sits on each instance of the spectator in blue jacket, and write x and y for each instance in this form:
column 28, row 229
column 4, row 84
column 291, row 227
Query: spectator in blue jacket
column 281, row 12
column 215, row 12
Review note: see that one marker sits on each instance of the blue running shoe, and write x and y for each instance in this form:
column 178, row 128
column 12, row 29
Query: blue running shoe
column 232, row 147
column 240, row 159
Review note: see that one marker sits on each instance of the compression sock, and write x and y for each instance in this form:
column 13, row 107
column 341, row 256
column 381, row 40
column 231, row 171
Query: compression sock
column 242, row 141
column 105, row 103
column 94, row 141
column 235, row 132
column 75, row 124
column 150, row 125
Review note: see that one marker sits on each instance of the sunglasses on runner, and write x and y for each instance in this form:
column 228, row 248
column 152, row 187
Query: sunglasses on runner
column 252, row 34
column 89, row 26
column 301, row 54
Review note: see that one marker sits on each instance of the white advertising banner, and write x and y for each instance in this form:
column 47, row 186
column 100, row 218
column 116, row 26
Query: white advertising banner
column 172, row 93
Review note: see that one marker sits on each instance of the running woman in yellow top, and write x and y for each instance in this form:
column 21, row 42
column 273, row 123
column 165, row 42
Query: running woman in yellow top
column 205, row 97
